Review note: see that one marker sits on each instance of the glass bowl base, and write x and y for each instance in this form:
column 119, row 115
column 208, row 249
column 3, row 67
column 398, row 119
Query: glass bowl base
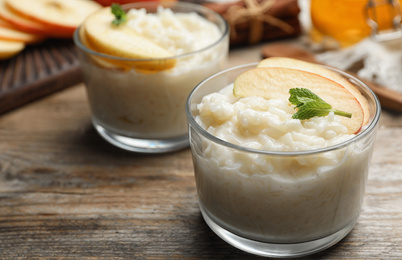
column 142, row 145
column 276, row 250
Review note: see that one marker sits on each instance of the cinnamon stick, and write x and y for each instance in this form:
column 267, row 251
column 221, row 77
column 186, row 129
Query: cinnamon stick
column 281, row 8
column 286, row 11
column 269, row 33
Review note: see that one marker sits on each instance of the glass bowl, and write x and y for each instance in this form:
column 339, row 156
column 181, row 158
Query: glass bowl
column 279, row 204
column 136, row 105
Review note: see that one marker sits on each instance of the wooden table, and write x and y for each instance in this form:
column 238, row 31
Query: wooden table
column 67, row 194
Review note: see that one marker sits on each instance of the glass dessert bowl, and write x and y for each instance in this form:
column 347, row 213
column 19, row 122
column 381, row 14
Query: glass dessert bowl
column 276, row 188
column 139, row 73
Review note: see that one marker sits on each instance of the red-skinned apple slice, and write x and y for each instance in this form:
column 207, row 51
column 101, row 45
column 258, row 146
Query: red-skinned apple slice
column 284, row 62
column 10, row 48
column 122, row 2
column 272, row 83
column 24, row 24
column 21, row 23
column 66, row 16
column 5, row 24
column 14, row 35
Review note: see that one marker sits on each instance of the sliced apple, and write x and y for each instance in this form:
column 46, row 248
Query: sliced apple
column 284, row 62
column 111, row 63
column 274, row 83
column 121, row 41
column 64, row 16
column 14, row 35
column 21, row 23
column 5, row 24
column 109, row 2
column 10, row 48
column 101, row 61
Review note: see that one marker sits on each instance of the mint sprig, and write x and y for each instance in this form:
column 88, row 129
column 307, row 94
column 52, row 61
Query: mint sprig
column 309, row 105
column 119, row 14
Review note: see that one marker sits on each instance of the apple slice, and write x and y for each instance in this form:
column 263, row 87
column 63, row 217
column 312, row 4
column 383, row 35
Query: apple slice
column 122, row 2
column 59, row 15
column 110, row 63
column 121, row 41
column 10, row 48
column 101, row 61
column 14, row 35
column 5, row 24
column 274, row 83
column 291, row 63
column 21, row 23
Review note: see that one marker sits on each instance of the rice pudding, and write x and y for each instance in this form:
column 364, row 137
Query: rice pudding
column 291, row 199
column 270, row 184
column 144, row 98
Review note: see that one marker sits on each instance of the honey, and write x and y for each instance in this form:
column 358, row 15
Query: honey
column 347, row 21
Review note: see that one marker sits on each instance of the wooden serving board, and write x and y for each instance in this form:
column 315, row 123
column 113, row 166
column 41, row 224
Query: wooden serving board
column 38, row 71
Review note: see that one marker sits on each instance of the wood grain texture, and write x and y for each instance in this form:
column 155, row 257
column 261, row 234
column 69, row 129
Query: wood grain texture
column 38, row 71
column 67, row 194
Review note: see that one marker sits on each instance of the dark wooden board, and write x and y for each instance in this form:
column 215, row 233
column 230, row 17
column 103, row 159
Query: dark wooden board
column 38, row 71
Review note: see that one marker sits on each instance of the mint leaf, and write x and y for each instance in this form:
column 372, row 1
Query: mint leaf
column 119, row 14
column 299, row 96
column 310, row 105
column 312, row 109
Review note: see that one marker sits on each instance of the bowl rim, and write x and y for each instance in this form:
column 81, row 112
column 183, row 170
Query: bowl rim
column 362, row 133
column 166, row 4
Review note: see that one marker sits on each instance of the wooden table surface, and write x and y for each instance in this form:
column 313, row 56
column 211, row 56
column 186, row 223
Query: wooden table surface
column 67, row 194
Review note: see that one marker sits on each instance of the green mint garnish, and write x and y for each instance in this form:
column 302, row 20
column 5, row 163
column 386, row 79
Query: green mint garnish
column 119, row 13
column 310, row 105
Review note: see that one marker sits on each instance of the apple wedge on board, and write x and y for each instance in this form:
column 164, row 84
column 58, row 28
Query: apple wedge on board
column 60, row 16
column 10, row 48
column 284, row 62
column 5, row 24
column 21, row 23
column 275, row 83
column 15, row 35
column 26, row 24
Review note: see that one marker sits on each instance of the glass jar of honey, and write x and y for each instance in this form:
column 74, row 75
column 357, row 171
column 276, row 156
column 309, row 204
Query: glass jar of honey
column 346, row 22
